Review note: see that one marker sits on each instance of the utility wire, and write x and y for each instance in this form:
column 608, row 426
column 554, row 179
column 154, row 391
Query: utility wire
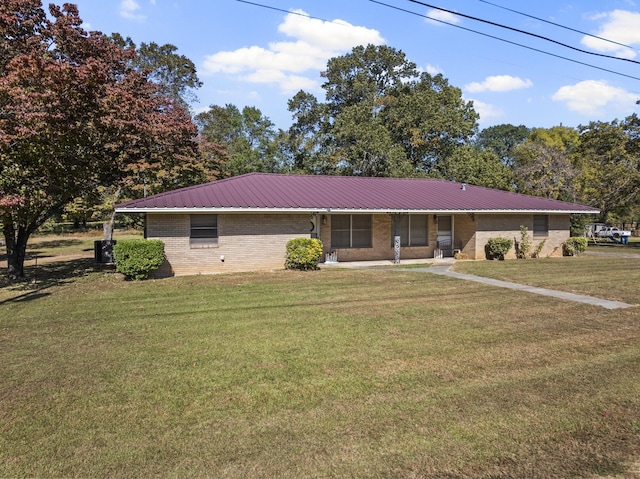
column 558, row 25
column 288, row 12
column 470, row 17
column 505, row 41
column 453, row 25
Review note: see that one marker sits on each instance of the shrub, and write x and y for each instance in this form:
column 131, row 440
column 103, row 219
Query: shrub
column 303, row 253
column 498, row 247
column 137, row 258
column 575, row 246
column 524, row 246
column 538, row 250
column 578, row 225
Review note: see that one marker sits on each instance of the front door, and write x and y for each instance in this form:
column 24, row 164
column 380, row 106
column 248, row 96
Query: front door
column 445, row 235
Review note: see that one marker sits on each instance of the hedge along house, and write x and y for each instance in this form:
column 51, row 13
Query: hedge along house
column 243, row 223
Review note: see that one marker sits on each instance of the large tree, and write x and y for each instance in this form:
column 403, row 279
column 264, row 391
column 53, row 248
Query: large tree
column 176, row 78
column 249, row 139
column 545, row 164
column 73, row 116
column 609, row 160
column 502, row 140
column 544, row 170
column 472, row 165
column 382, row 117
column 175, row 74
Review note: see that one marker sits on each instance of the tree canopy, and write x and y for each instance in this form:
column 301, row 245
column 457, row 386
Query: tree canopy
column 469, row 164
column 502, row 140
column 607, row 155
column 382, row 117
column 249, row 139
column 74, row 115
column 174, row 73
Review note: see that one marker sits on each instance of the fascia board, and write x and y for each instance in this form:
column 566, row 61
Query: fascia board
column 347, row 211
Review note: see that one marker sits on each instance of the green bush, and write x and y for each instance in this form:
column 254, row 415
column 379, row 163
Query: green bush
column 497, row 247
column 137, row 258
column 303, row 253
column 578, row 225
column 575, row 246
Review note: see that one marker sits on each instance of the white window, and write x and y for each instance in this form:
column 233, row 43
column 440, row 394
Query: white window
column 204, row 231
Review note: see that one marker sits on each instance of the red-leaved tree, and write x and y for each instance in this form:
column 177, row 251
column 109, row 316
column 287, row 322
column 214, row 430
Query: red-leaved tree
column 73, row 116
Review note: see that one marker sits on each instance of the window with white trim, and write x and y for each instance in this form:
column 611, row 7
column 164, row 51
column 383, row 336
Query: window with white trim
column 412, row 230
column 540, row 226
column 351, row 231
column 203, row 231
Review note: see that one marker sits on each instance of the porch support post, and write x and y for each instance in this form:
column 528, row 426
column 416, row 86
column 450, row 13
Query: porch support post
column 396, row 249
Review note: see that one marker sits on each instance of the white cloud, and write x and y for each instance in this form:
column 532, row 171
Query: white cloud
column 129, row 9
column 335, row 36
column 486, row 110
column 593, row 97
column 621, row 26
column 313, row 43
column 435, row 14
column 434, row 70
column 289, row 84
column 499, row 83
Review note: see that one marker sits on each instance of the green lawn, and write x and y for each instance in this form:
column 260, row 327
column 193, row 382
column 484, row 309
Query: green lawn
column 327, row 374
column 613, row 274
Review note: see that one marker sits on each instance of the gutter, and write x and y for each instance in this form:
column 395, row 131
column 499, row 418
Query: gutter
column 237, row 210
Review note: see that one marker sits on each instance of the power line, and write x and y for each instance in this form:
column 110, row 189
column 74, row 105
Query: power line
column 558, row 25
column 453, row 25
column 304, row 15
column 506, row 41
column 495, row 24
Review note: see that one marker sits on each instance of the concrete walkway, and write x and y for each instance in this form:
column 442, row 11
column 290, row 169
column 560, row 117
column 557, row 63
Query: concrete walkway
column 445, row 270
column 443, row 267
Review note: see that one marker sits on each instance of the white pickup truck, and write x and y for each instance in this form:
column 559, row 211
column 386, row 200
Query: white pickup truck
column 613, row 233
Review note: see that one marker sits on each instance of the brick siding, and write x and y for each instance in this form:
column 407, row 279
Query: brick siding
column 248, row 242
column 508, row 226
column 252, row 242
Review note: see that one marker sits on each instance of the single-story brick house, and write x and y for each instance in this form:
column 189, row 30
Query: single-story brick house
column 243, row 223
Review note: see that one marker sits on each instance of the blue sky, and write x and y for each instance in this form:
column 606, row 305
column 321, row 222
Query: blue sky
column 252, row 56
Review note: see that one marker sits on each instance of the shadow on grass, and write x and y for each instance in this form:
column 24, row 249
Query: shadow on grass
column 58, row 243
column 632, row 245
column 38, row 249
column 38, row 279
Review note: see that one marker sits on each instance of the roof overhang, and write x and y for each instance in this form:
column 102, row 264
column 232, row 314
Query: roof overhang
column 391, row 211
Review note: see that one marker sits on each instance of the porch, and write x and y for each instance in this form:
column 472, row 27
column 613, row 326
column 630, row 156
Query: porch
column 348, row 238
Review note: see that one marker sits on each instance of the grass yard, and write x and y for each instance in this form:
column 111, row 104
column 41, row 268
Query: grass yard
column 69, row 245
column 613, row 274
column 328, row 374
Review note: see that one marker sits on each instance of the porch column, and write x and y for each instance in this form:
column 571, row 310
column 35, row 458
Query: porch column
column 396, row 249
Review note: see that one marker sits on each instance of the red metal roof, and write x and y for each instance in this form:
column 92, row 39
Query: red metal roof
column 276, row 192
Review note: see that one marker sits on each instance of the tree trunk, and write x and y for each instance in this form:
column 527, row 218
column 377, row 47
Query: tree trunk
column 107, row 226
column 16, row 241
